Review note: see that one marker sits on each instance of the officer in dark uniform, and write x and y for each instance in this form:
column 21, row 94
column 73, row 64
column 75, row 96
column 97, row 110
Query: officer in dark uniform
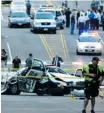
column 67, row 13
column 28, row 6
column 94, row 75
column 57, row 60
column 102, row 21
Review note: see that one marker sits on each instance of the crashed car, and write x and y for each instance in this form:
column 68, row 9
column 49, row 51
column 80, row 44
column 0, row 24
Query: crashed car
column 39, row 79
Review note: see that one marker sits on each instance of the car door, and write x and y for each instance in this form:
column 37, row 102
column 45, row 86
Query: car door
column 32, row 77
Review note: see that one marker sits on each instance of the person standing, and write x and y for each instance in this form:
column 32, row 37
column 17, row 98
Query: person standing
column 67, row 13
column 72, row 24
column 57, row 60
column 81, row 23
column 78, row 15
column 102, row 21
column 91, row 17
column 16, row 63
column 29, row 60
column 28, row 6
column 98, row 19
column 86, row 22
column 4, row 57
column 94, row 75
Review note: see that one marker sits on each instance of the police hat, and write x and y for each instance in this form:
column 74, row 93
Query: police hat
column 95, row 58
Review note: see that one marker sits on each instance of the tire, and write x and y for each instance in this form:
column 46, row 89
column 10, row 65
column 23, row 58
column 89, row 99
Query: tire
column 40, row 93
column 61, row 27
column 10, row 26
column 57, row 92
column 100, row 54
column 77, row 52
column 54, row 31
column 14, row 89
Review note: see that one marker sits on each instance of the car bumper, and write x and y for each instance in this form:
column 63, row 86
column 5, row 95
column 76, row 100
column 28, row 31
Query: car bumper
column 59, row 24
column 20, row 23
column 89, row 50
column 44, row 29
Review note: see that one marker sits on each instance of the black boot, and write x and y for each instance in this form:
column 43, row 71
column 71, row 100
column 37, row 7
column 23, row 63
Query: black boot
column 92, row 111
column 83, row 111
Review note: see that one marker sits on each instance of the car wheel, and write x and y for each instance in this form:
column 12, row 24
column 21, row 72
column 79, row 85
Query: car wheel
column 54, row 31
column 77, row 52
column 61, row 27
column 14, row 89
column 57, row 92
column 40, row 93
column 9, row 25
column 100, row 53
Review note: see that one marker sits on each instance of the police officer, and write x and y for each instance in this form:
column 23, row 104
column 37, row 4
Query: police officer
column 102, row 21
column 67, row 13
column 28, row 6
column 57, row 60
column 29, row 61
column 94, row 75
column 16, row 63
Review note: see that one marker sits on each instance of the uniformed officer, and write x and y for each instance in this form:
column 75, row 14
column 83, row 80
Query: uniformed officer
column 67, row 13
column 28, row 6
column 94, row 75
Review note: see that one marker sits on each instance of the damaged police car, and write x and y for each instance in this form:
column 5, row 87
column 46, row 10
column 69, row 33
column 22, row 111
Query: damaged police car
column 39, row 79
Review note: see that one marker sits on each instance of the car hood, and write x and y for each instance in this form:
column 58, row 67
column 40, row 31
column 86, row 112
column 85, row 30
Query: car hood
column 89, row 44
column 67, row 78
column 44, row 20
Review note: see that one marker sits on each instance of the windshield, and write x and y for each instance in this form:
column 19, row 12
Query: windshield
column 44, row 16
column 88, row 39
column 19, row 15
column 56, row 70
column 52, row 12
column 18, row 3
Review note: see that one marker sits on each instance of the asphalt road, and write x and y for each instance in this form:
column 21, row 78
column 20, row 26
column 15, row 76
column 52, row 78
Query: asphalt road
column 44, row 46
column 30, row 103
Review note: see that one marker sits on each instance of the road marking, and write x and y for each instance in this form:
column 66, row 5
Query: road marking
column 46, row 46
column 63, row 45
column 9, row 50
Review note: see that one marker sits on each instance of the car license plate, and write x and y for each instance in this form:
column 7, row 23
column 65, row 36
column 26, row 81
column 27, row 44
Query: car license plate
column 19, row 23
column 45, row 29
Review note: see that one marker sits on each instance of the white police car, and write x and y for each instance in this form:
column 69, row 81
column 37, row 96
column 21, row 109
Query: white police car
column 89, row 43
column 43, row 21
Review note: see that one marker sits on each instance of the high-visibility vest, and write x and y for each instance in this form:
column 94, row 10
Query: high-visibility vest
column 86, row 68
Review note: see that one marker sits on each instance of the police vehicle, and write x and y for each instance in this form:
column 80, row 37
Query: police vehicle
column 39, row 79
column 60, row 20
column 18, row 4
column 43, row 21
column 89, row 43
column 18, row 18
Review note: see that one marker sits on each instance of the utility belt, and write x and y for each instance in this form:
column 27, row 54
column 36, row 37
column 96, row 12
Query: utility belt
column 92, row 84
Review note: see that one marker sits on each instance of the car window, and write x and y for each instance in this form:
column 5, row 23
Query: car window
column 52, row 70
column 61, row 71
column 44, row 16
column 52, row 12
column 58, row 13
column 88, row 39
column 19, row 15
column 22, row 72
column 32, row 73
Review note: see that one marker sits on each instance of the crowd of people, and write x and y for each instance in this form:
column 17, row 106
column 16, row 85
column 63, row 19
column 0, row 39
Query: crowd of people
column 84, row 20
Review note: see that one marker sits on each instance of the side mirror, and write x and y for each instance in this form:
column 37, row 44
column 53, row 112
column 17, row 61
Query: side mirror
column 8, row 15
column 78, row 73
column 55, row 18
column 99, row 40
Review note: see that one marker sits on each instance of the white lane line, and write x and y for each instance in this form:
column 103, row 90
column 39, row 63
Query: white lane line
column 2, row 18
column 9, row 50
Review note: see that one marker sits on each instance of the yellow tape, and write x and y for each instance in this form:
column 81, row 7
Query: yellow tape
column 5, row 5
